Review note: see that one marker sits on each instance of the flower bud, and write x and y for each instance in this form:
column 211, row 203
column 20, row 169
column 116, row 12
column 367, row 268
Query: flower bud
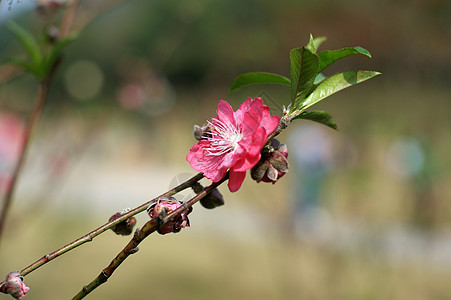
column 273, row 164
column 201, row 132
column 197, row 188
column 166, row 205
column 212, row 199
column 53, row 34
column 125, row 227
column 15, row 286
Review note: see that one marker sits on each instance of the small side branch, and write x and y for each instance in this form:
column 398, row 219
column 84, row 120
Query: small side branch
column 90, row 236
column 150, row 227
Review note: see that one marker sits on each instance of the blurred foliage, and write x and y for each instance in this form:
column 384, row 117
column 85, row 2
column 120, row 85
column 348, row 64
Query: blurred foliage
column 203, row 42
column 43, row 55
column 161, row 66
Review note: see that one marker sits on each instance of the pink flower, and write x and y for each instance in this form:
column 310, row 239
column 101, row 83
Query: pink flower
column 233, row 141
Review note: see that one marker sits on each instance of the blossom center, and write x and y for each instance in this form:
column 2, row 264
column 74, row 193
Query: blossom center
column 223, row 137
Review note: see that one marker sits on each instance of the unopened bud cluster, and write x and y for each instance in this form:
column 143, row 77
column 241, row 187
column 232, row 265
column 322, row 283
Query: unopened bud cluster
column 14, row 286
column 163, row 207
column 273, row 164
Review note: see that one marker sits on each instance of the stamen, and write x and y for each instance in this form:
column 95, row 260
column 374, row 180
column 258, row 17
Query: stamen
column 223, row 137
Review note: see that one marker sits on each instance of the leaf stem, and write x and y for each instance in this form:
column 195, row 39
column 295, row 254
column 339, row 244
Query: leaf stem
column 131, row 248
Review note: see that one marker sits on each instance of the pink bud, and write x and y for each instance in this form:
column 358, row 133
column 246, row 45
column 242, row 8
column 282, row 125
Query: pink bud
column 15, row 286
column 164, row 206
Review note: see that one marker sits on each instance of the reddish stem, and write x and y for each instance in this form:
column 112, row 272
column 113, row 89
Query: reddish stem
column 90, row 236
column 31, row 124
column 68, row 18
column 131, row 248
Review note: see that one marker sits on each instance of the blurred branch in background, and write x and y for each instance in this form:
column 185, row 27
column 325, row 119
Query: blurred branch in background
column 34, row 117
column 371, row 244
column 42, row 65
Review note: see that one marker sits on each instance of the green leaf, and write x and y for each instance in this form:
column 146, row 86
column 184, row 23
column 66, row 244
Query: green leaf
column 55, row 52
column 28, row 41
column 258, row 78
column 304, row 68
column 328, row 57
column 336, row 83
column 318, row 116
column 319, row 78
column 314, row 43
column 318, row 41
column 24, row 65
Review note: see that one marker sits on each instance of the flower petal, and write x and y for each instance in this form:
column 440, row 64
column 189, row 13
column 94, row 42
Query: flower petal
column 225, row 113
column 251, row 122
column 255, row 143
column 235, row 141
column 270, row 123
column 235, row 180
column 212, row 166
column 247, row 163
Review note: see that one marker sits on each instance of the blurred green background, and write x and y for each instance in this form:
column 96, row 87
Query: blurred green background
column 364, row 213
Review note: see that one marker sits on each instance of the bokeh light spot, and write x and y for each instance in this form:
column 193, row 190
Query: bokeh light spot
column 83, row 79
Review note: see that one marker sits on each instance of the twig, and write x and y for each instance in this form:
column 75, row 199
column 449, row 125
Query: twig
column 31, row 124
column 66, row 24
column 90, row 236
column 153, row 225
column 131, row 247
column 148, row 228
column 285, row 120
column 68, row 18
